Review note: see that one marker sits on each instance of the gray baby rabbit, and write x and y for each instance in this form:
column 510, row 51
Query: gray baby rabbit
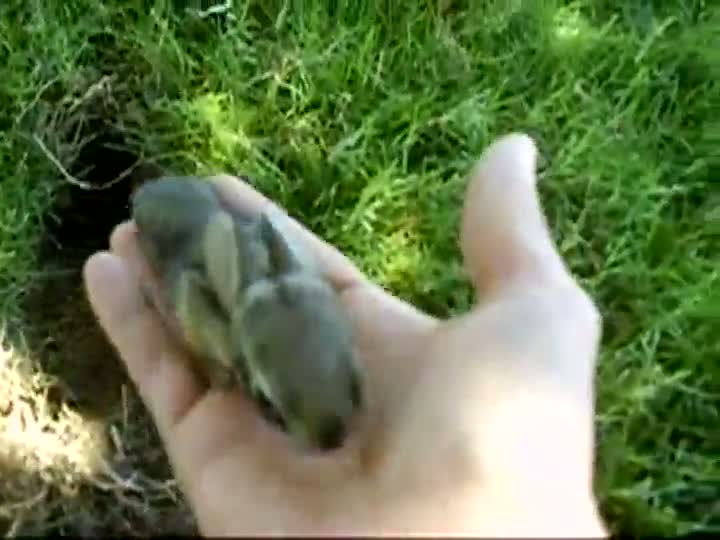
column 253, row 308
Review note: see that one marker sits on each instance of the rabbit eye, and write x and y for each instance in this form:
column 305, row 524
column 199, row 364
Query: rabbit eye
column 292, row 405
column 263, row 350
column 270, row 412
column 355, row 391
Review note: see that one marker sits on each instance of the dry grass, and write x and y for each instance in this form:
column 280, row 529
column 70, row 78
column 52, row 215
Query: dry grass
column 363, row 124
column 57, row 465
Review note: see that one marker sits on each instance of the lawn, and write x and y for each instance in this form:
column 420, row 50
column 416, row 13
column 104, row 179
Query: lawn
column 362, row 120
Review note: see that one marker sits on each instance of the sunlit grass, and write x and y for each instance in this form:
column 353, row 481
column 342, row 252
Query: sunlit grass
column 363, row 124
column 44, row 448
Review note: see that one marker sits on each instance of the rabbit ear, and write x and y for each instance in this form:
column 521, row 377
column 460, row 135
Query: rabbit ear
column 282, row 258
column 203, row 326
column 222, row 257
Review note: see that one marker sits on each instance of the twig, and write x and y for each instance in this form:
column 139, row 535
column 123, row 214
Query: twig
column 125, row 484
column 69, row 177
column 79, row 183
column 217, row 9
column 35, row 100
column 50, row 274
column 91, row 92
column 117, row 441
column 16, row 506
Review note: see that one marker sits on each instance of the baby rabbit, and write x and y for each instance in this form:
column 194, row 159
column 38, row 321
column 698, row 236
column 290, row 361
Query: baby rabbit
column 252, row 307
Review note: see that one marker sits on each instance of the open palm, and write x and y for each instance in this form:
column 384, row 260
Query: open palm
column 481, row 424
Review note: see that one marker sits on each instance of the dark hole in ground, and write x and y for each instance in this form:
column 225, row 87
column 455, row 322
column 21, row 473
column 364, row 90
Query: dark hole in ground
column 70, row 346
column 73, row 347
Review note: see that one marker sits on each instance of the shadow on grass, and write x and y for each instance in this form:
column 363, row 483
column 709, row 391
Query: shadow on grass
column 129, row 490
column 48, row 490
column 100, row 170
column 69, row 473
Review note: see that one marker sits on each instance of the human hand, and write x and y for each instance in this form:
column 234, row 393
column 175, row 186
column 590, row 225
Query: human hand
column 481, row 424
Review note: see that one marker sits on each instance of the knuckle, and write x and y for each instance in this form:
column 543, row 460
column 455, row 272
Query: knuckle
column 581, row 311
column 586, row 310
column 567, row 305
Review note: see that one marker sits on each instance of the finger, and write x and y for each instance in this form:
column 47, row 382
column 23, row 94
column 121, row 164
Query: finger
column 124, row 244
column 508, row 247
column 197, row 427
column 244, row 199
column 544, row 330
column 504, row 235
column 166, row 385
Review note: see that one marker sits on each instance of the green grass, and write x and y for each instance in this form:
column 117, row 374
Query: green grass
column 363, row 123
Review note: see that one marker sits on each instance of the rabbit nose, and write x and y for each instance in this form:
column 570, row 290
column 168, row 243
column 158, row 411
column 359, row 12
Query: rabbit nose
column 333, row 433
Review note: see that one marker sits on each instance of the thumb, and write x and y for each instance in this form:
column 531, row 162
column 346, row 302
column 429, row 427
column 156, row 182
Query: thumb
column 504, row 235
